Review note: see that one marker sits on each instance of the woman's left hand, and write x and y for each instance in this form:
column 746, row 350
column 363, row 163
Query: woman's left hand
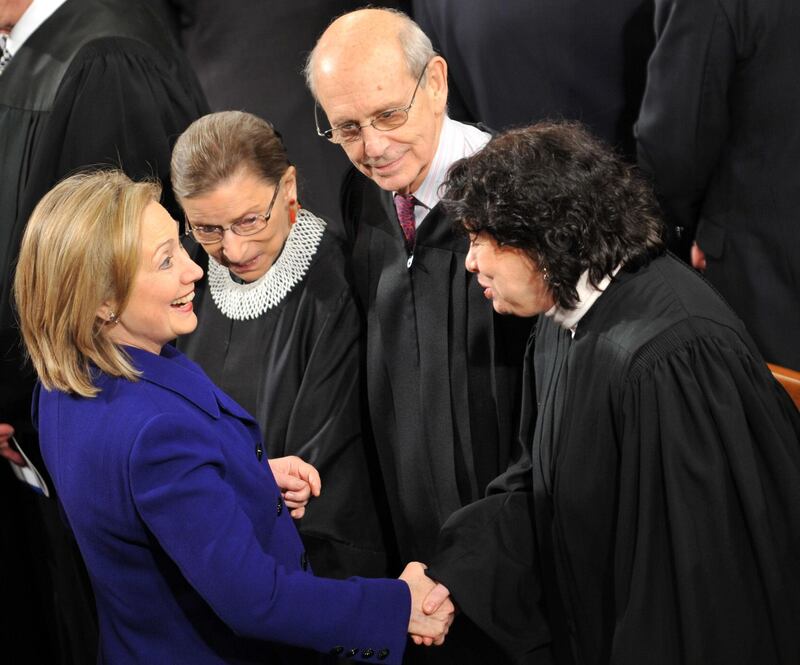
column 298, row 482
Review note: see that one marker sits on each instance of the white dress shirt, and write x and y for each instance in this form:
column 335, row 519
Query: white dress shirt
column 456, row 141
column 38, row 12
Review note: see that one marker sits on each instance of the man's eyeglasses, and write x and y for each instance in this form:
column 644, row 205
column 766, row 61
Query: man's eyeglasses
column 384, row 122
column 208, row 234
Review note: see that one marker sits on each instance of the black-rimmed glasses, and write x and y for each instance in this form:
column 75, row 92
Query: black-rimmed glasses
column 384, row 121
column 208, row 234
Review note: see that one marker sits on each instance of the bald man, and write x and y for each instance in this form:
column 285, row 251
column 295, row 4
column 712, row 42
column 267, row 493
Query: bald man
column 442, row 369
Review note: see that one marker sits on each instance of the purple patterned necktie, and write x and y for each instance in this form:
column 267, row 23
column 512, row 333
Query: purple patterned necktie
column 5, row 54
column 404, row 204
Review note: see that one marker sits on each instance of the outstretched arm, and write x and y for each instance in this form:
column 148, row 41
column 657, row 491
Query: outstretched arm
column 426, row 627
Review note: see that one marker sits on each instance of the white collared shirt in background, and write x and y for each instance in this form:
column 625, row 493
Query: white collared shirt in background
column 29, row 22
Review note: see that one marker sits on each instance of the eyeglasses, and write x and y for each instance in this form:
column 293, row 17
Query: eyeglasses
column 207, row 234
column 384, row 121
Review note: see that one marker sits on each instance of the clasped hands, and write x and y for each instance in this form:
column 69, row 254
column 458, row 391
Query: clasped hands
column 432, row 610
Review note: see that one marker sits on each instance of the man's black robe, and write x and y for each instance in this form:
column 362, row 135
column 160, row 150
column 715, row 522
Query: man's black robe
column 295, row 368
column 443, row 380
column 654, row 516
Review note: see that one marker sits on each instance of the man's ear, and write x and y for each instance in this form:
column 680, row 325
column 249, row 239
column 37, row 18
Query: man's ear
column 436, row 83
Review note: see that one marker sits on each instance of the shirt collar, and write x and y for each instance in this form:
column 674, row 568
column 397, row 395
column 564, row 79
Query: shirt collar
column 38, row 12
column 587, row 295
column 456, row 141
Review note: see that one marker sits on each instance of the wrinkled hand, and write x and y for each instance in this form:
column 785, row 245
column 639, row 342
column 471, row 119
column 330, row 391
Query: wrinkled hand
column 427, row 627
column 298, row 482
column 6, row 432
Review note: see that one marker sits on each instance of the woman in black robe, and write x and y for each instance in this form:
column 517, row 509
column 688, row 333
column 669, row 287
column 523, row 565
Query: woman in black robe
column 279, row 330
column 654, row 516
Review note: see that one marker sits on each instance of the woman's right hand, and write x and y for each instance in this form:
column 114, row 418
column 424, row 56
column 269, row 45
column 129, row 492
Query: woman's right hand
column 426, row 628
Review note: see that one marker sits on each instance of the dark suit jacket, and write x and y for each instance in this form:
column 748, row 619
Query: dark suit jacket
column 191, row 552
column 520, row 61
column 719, row 132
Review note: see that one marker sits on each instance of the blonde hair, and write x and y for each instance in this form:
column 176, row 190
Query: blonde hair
column 80, row 250
column 218, row 145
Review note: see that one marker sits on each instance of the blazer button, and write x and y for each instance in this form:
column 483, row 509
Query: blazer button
column 352, row 652
column 280, row 505
column 259, row 451
column 336, row 651
column 383, row 654
column 304, row 564
column 367, row 653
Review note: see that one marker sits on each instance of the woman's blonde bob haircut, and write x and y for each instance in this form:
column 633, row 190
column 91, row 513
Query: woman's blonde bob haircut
column 80, row 251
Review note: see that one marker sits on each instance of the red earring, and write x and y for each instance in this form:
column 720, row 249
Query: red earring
column 293, row 211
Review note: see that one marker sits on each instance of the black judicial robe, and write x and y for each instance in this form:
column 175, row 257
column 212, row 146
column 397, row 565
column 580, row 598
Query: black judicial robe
column 296, row 370
column 443, row 380
column 442, row 369
column 654, row 516
column 100, row 82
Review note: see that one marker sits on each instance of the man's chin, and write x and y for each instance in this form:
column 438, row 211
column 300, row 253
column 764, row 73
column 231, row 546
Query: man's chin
column 391, row 181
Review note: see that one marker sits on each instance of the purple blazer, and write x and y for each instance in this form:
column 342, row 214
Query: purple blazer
column 193, row 557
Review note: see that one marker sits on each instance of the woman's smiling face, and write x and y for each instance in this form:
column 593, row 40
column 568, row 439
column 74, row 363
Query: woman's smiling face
column 508, row 276
column 159, row 307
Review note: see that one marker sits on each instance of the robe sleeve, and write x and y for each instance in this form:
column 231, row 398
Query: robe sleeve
column 122, row 105
column 341, row 528
column 707, row 551
column 486, row 556
column 685, row 118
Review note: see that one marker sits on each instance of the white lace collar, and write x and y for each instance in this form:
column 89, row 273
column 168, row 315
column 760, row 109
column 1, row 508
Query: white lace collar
column 249, row 301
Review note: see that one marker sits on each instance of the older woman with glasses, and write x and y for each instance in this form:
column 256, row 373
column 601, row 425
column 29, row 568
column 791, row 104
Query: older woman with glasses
column 279, row 330
column 162, row 476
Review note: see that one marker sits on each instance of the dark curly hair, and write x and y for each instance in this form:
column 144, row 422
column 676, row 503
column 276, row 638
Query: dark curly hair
column 563, row 197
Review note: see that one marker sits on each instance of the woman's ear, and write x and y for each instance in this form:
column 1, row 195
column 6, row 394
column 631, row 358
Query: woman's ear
column 107, row 312
column 289, row 185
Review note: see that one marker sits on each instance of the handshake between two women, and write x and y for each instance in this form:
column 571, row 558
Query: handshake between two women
column 432, row 610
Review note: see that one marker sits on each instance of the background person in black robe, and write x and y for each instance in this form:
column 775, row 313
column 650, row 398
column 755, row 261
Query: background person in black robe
column 442, row 372
column 529, row 60
column 96, row 82
column 655, row 514
column 719, row 132
column 279, row 330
